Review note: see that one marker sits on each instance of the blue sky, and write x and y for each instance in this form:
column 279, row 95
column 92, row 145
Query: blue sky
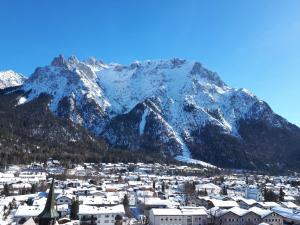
column 251, row 43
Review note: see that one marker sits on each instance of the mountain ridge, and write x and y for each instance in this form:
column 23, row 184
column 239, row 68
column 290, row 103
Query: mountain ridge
column 163, row 105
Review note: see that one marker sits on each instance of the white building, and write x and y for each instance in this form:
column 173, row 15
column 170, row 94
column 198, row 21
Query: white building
column 252, row 192
column 177, row 216
column 101, row 215
column 24, row 212
column 64, row 199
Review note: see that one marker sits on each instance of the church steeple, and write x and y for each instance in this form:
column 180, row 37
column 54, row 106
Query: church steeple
column 49, row 215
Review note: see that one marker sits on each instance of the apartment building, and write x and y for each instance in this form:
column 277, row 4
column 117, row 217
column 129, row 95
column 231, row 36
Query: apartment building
column 177, row 216
column 101, row 215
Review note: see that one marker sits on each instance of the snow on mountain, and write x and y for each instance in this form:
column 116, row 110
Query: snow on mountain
column 163, row 100
column 10, row 78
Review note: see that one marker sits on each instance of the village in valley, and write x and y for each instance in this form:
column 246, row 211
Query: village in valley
column 140, row 194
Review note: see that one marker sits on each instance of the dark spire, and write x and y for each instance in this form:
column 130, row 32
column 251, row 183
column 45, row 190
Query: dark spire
column 49, row 214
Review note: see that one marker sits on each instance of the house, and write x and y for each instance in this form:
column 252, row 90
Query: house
column 268, row 216
column 65, row 198
column 178, row 216
column 239, row 216
column 210, row 188
column 101, row 215
column 290, row 216
column 253, row 192
column 25, row 212
column 150, row 203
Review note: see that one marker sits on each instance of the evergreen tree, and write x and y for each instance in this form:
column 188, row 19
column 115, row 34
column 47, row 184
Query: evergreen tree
column 205, row 192
column 74, row 210
column 194, row 186
column 270, row 196
column 33, row 189
column 125, row 201
column 224, row 190
column 153, row 184
column 163, row 187
column 5, row 190
column 281, row 195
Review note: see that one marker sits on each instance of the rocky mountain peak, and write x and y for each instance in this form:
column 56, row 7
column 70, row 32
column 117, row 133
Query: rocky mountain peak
column 59, row 61
column 10, row 78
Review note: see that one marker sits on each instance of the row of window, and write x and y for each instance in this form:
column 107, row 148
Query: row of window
column 255, row 219
column 272, row 220
column 179, row 219
column 170, row 219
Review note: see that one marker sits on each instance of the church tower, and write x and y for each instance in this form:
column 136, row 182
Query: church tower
column 49, row 215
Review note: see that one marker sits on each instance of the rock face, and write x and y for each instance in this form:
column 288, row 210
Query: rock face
column 10, row 78
column 175, row 107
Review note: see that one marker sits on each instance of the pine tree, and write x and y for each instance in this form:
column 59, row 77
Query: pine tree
column 74, row 209
column 33, row 189
column 281, row 195
column 125, row 201
column 5, row 190
column 163, row 187
column 153, row 184
column 224, row 190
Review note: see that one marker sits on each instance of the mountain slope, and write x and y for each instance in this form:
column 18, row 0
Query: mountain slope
column 30, row 132
column 10, row 78
column 174, row 107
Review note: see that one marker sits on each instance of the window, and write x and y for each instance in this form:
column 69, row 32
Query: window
column 106, row 216
column 106, row 221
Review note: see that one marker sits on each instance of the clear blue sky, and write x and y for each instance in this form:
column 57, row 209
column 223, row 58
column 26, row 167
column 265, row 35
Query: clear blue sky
column 251, row 43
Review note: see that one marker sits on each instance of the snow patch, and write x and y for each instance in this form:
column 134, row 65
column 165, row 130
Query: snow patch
column 22, row 100
column 143, row 122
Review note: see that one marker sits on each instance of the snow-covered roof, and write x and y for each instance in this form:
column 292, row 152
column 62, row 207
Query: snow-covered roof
column 93, row 210
column 207, row 186
column 268, row 204
column 224, row 204
column 247, row 201
column 287, row 213
column 157, row 201
column 28, row 211
column 290, row 205
column 259, row 211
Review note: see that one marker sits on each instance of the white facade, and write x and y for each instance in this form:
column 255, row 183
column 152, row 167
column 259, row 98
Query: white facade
column 195, row 216
column 252, row 192
column 100, row 215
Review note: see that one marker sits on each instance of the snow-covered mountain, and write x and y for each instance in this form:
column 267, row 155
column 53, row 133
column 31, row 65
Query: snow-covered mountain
column 10, row 78
column 170, row 106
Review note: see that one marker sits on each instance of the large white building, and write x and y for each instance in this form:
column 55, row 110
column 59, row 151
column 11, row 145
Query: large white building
column 101, row 215
column 177, row 216
column 253, row 192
